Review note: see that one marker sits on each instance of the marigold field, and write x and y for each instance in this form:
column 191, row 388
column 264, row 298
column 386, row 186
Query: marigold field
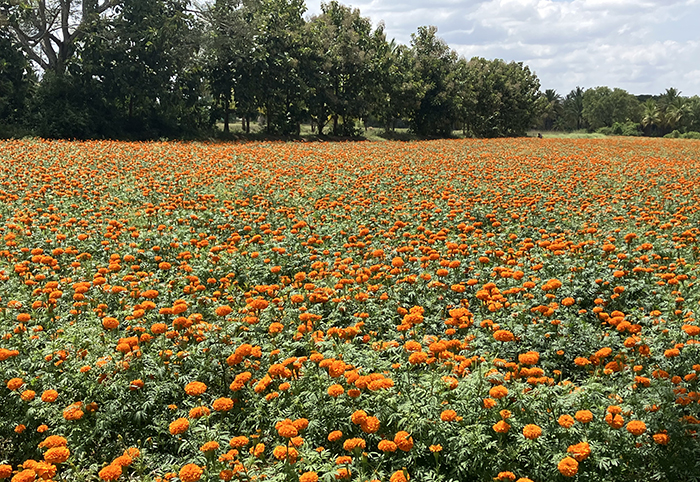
column 454, row 310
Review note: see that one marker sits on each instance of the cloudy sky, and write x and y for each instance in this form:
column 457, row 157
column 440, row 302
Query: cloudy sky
column 642, row 46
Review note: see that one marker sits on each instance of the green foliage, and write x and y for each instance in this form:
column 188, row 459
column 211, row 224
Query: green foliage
column 628, row 128
column 278, row 62
column 16, row 84
column 503, row 99
column 143, row 64
column 434, row 64
column 603, row 107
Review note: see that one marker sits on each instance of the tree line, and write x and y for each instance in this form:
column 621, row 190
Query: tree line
column 617, row 112
column 139, row 69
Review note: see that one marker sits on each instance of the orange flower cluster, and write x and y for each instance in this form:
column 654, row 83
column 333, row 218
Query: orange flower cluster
column 364, row 288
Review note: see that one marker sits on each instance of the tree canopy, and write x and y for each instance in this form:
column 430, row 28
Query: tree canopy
column 174, row 68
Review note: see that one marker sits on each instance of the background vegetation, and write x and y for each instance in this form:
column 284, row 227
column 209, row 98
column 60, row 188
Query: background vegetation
column 172, row 68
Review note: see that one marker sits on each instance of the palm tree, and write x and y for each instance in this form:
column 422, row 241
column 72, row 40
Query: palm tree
column 676, row 111
column 650, row 116
column 573, row 108
column 553, row 109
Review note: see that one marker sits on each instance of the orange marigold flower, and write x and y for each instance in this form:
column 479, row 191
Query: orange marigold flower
column 53, row 441
column 111, row 472
column 42, row 428
column 568, row 467
column 529, row 358
column 287, row 430
column 27, row 475
column 45, row 470
column 190, row 473
column 501, row 426
column 581, row 451
column 583, row 416
column 353, row 443
column 370, row 425
column 335, row 390
column 238, row 442
column 532, row 431
column 615, row 421
column 342, row 473
column 49, row 396
column 5, row 471
column 110, row 323
column 636, row 427
column 57, row 455
column 403, row 440
column 14, row 383
column 124, row 460
column 28, row 395
column 209, row 446
column 448, row 415
column 133, row 452
column 198, row 412
column 505, row 476
column 358, row 417
column 399, row 476
column 222, row 404
column 387, row 446
column 335, row 436
column 179, row 426
column 159, row 328
column 661, row 438
column 223, row 310
column 73, row 411
column 417, row 358
column 195, row 388
column 308, row 477
column 566, row 421
column 503, row 335
column 435, row 448
column 497, row 392
column 300, row 423
column 581, row 362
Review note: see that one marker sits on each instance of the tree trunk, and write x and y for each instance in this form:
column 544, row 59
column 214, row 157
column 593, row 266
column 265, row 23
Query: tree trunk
column 226, row 115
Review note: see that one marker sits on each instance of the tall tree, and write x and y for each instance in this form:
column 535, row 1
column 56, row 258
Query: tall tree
column 279, row 63
column 553, row 109
column 651, row 117
column 434, row 64
column 345, row 71
column 602, row 107
column 48, row 30
column 506, row 99
column 16, row 81
column 573, row 109
column 145, row 62
column 230, row 48
column 399, row 89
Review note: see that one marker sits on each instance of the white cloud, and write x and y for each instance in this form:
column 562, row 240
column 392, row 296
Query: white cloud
column 643, row 46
